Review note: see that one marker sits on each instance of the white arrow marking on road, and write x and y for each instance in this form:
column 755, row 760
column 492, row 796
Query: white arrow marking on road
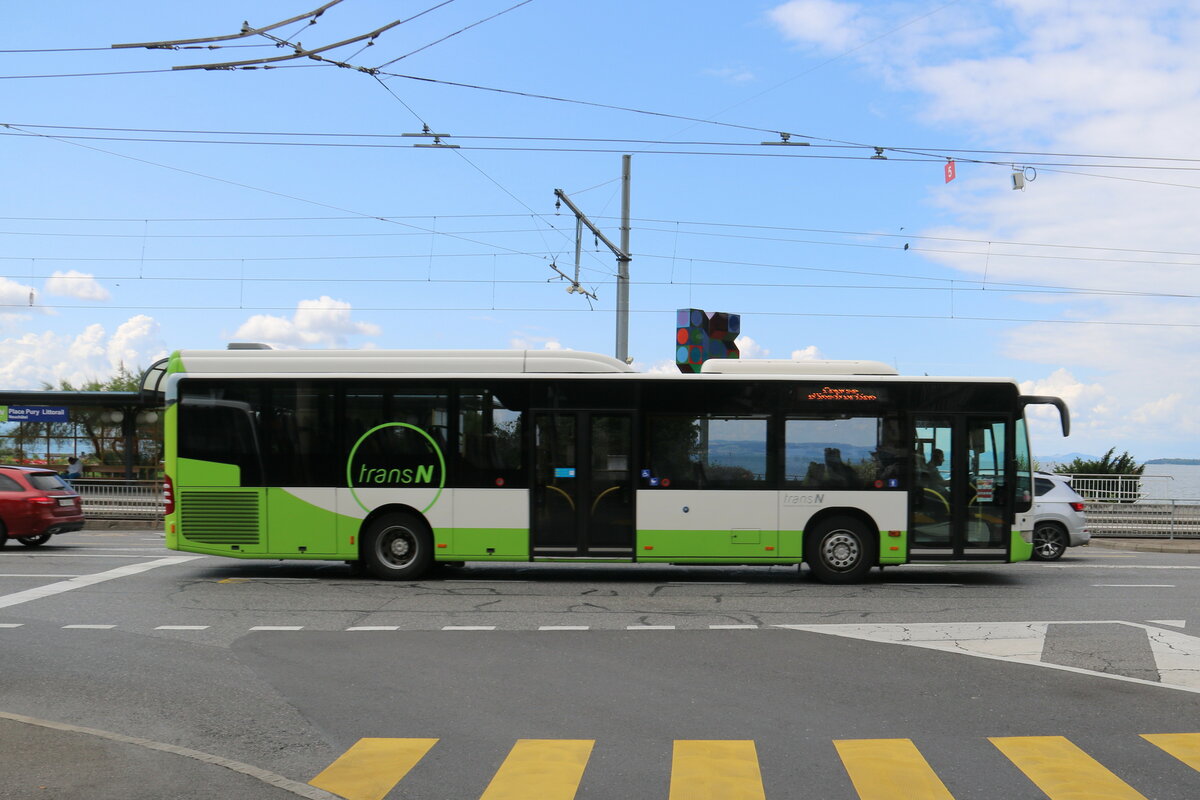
column 1176, row 655
column 37, row 593
column 1174, row 623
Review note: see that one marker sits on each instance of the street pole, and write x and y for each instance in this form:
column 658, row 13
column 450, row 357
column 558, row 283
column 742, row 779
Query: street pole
column 621, row 252
column 623, row 259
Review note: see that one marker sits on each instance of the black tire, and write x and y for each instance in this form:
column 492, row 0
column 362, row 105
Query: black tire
column 1049, row 541
column 841, row 550
column 34, row 541
column 397, row 547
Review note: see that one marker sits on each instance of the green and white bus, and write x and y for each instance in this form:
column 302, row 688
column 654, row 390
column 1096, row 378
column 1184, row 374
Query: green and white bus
column 394, row 461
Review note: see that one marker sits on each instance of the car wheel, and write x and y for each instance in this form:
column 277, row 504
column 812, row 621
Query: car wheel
column 1049, row 542
column 397, row 547
column 840, row 550
column 34, row 541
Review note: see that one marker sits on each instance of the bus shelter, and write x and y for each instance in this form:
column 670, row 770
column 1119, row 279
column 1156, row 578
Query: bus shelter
column 116, row 434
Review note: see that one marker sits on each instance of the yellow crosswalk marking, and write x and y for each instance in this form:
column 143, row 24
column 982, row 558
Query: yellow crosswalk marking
column 1184, row 746
column 715, row 770
column 546, row 769
column 1062, row 770
column 371, row 767
column 884, row 769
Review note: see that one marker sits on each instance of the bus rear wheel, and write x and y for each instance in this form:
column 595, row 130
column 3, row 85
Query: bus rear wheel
column 840, row 550
column 397, row 547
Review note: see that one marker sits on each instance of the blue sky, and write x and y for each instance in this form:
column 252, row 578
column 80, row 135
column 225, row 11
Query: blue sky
column 223, row 210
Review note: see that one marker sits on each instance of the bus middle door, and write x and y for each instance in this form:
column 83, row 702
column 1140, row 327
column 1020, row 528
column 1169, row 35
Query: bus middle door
column 959, row 498
column 582, row 496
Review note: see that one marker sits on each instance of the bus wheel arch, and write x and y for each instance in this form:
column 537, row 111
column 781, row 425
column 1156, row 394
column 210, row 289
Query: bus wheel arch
column 395, row 543
column 841, row 545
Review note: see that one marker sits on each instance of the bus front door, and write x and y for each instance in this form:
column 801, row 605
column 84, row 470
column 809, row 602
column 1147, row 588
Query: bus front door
column 960, row 503
column 582, row 495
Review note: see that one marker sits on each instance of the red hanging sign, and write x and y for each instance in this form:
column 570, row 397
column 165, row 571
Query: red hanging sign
column 949, row 171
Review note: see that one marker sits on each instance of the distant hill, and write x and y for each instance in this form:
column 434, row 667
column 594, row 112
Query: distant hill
column 1186, row 461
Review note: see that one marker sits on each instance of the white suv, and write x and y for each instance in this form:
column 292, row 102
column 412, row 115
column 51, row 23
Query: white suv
column 1057, row 514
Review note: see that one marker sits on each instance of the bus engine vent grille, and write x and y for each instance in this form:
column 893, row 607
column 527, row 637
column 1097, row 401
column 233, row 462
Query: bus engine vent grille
column 219, row 517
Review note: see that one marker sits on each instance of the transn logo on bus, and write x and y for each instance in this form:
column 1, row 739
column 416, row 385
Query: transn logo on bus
column 394, row 476
column 794, row 499
column 396, row 455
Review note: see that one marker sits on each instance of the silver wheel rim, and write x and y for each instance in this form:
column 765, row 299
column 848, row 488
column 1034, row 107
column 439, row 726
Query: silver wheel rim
column 841, row 550
column 396, row 547
column 1046, row 543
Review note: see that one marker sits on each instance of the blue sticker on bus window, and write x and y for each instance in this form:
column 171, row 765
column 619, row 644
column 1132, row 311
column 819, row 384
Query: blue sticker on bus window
column 893, row 483
column 646, row 473
column 654, row 481
column 564, row 472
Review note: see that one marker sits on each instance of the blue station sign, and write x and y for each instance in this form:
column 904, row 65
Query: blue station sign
column 33, row 414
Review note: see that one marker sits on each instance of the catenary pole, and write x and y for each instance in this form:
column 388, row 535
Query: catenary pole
column 621, row 252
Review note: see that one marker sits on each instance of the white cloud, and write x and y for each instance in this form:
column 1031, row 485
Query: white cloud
column 748, row 348
column 1105, row 77
column 828, row 24
column 810, row 353
column 132, row 338
column 664, row 367
column 324, row 322
column 74, row 283
column 731, row 74
column 17, row 300
column 32, row 359
column 528, row 341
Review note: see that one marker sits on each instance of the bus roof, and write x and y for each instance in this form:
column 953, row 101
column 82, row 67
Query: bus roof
column 267, row 360
column 262, row 360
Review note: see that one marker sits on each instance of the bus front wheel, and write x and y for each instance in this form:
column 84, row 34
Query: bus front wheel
column 397, row 547
column 840, row 550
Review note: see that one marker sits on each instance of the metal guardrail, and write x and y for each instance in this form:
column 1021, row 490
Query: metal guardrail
column 1113, row 488
column 1119, row 505
column 120, row 499
column 1166, row 519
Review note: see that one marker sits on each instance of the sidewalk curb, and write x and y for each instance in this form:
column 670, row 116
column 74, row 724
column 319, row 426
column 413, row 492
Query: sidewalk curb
column 1148, row 545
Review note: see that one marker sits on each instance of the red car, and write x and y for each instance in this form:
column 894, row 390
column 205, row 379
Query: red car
column 35, row 504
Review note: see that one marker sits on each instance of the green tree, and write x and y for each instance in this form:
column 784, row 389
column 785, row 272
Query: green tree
column 1108, row 464
column 107, row 437
column 1124, row 489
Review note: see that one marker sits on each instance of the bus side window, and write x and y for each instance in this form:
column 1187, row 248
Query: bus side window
column 838, row 453
column 222, row 431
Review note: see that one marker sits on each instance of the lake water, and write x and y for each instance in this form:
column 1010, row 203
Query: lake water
column 1171, row 482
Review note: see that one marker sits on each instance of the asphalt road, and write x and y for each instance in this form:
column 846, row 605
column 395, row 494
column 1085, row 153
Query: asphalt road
column 130, row 671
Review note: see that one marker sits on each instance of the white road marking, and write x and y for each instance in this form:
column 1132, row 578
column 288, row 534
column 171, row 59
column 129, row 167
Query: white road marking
column 468, row 627
column 11, row 624
column 36, row 575
column 1030, row 565
column 49, row 590
column 564, row 627
column 91, row 627
column 1174, row 623
column 182, row 628
column 375, row 628
column 480, row 580
column 1176, row 655
column 85, row 555
column 277, row 628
